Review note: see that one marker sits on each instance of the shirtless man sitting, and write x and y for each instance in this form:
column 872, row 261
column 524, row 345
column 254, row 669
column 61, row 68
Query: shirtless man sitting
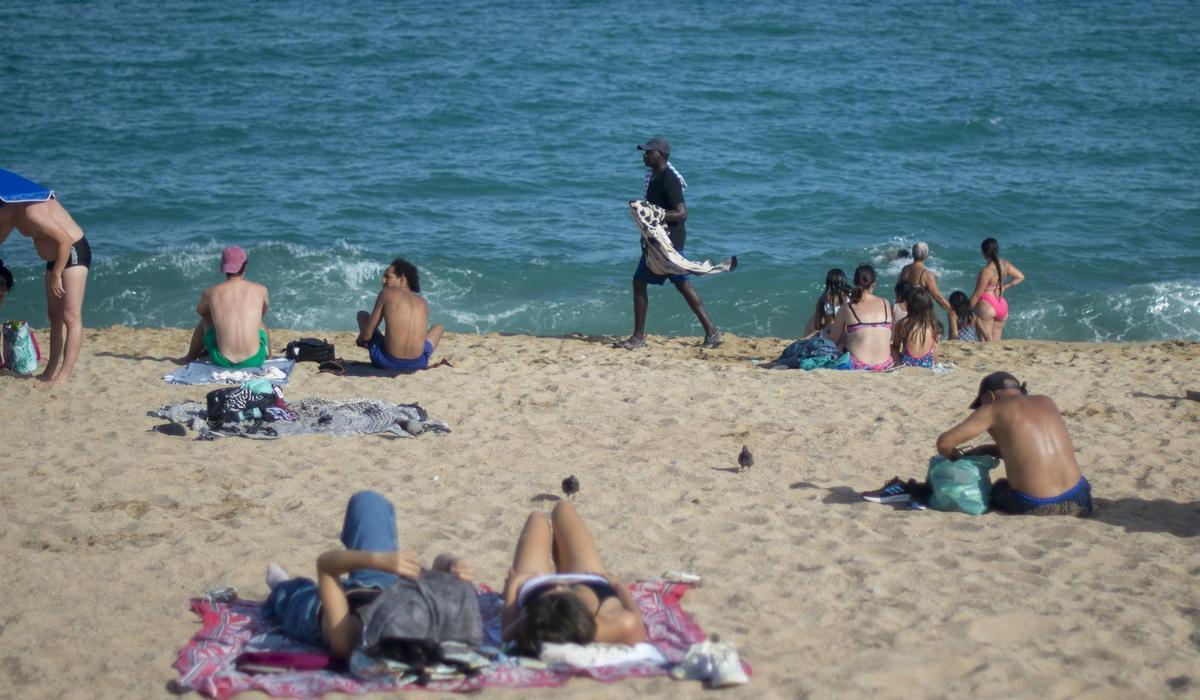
column 59, row 241
column 407, row 344
column 1031, row 438
column 231, row 313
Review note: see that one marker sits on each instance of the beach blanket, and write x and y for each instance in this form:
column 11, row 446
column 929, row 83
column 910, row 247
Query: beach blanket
column 312, row 416
column 661, row 256
column 208, row 663
column 276, row 371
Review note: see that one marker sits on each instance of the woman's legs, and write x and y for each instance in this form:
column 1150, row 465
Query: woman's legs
column 533, row 548
column 998, row 328
column 985, row 314
column 574, row 549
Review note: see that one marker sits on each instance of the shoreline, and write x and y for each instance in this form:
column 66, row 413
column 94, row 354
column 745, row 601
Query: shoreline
column 110, row 527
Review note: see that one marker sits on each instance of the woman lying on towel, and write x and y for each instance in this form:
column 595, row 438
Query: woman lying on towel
column 558, row 591
column 386, row 590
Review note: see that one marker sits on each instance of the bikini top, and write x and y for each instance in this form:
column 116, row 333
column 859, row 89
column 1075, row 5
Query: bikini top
column 859, row 325
column 537, row 586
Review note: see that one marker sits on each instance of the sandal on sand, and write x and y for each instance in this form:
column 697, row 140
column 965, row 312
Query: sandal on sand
column 714, row 340
column 631, row 343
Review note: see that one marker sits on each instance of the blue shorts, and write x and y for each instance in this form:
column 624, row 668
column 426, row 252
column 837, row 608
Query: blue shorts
column 381, row 359
column 644, row 274
column 1076, row 500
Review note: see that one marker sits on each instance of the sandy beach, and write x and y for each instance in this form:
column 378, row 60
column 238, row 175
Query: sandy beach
column 109, row 528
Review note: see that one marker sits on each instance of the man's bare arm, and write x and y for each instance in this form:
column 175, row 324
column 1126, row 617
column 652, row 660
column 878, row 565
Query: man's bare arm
column 203, row 307
column 372, row 322
column 975, row 425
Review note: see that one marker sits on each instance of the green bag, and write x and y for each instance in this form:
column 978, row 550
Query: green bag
column 963, row 485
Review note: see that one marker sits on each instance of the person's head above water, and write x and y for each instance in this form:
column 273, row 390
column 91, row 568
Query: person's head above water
column 403, row 268
column 997, row 383
column 557, row 617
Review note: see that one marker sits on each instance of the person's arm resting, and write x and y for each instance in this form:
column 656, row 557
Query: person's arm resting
column 368, row 331
column 343, row 631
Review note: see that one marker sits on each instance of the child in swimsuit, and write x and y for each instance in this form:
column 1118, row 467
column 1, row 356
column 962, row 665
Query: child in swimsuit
column 557, row 590
column 837, row 293
column 961, row 305
column 917, row 333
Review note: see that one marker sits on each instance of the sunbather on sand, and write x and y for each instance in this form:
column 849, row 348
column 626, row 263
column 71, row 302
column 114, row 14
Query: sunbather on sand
column 335, row 612
column 558, row 591
column 231, row 328
column 409, row 341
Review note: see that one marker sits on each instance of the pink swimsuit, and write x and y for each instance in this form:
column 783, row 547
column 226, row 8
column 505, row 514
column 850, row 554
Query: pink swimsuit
column 1000, row 304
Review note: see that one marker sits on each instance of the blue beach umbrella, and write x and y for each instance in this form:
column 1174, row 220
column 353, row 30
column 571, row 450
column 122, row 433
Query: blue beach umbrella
column 14, row 189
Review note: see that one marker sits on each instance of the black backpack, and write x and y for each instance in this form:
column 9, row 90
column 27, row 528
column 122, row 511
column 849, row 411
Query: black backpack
column 309, row 350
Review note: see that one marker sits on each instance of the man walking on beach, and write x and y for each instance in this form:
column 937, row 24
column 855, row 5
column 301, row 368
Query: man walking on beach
column 60, row 242
column 231, row 327
column 664, row 188
column 1031, row 438
column 407, row 344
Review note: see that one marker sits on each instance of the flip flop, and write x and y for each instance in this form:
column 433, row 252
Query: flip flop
column 336, row 367
column 630, row 343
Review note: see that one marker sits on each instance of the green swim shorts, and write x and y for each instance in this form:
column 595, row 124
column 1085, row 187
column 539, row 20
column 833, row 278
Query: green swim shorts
column 214, row 352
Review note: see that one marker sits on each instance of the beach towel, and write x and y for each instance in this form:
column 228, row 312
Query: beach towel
column 208, row 663
column 661, row 256
column 276, row 371
column 312, row 416
column 808, row 354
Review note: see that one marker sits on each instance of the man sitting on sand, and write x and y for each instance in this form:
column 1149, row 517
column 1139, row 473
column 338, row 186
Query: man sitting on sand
column 231, row 325
column 1031, row 438
column 407, row 345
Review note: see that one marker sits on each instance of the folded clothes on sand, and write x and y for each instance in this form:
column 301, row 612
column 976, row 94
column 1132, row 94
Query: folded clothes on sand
column 276, row 371
column 208, row 663
column 312, row 416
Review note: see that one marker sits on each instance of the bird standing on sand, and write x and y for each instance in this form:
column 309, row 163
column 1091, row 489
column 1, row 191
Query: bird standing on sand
column 570, row 487
column 745, row 459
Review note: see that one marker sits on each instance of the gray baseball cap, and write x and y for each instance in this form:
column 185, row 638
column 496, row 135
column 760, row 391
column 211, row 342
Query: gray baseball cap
column 658, row 143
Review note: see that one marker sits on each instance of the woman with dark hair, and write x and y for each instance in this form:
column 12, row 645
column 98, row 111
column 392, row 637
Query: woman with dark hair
column 558, row 591
column 917, row 333
column 991, row 308
column 965, row 316
column 837, row 293
column 900, row 305
column 863, row 326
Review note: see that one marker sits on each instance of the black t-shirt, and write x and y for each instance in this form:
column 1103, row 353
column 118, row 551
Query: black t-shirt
column 666, row 191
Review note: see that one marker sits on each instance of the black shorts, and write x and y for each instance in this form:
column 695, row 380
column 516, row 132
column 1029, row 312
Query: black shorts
column 81, row 255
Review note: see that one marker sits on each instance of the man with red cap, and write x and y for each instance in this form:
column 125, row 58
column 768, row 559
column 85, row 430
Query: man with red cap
column 231, row 327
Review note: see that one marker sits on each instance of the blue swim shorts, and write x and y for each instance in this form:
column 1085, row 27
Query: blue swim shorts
column 1076, row 500
column 381, row 359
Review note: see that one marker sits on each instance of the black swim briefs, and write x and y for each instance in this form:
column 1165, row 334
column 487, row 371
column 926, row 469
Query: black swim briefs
column 81, row 255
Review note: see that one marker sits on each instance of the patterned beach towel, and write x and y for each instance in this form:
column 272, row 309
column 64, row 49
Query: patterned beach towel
column 311, row 416
column 208, row 663
column 276, row 371
column 661, row 256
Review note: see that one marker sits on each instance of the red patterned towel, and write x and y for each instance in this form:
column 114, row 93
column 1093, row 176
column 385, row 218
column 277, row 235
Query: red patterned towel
column 208, row 664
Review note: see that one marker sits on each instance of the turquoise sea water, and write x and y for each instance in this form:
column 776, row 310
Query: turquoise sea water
column 493, row 144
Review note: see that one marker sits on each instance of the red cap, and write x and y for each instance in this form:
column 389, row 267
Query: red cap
column 232, row 259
